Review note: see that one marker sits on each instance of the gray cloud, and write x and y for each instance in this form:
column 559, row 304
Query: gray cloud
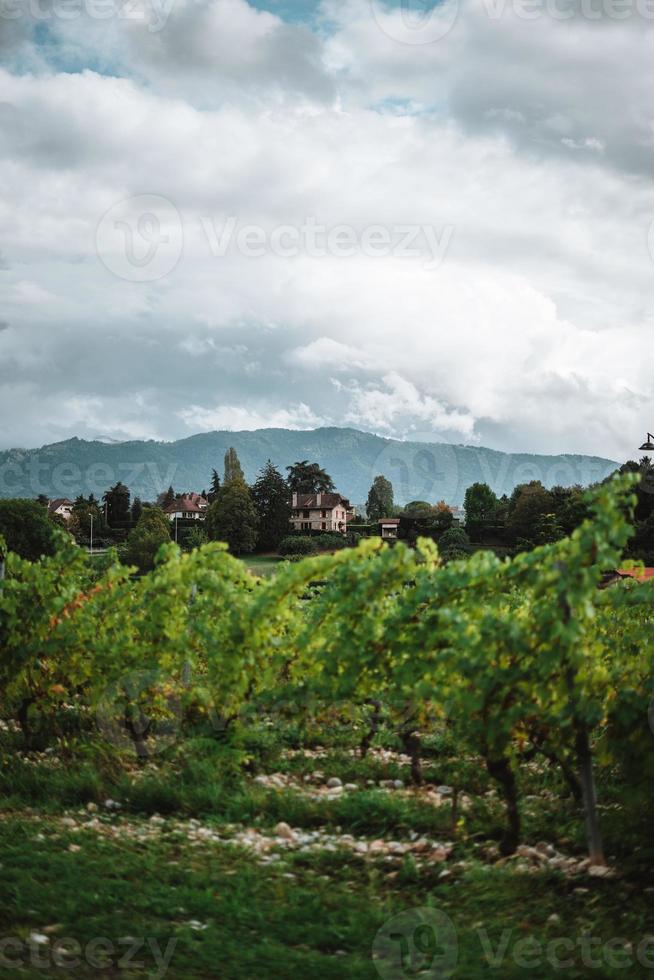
column 530, row 334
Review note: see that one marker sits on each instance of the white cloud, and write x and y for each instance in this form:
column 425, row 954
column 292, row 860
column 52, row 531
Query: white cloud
column 237, row 418
column 531, row 333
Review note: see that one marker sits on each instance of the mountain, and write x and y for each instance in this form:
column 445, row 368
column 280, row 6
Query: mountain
column 417, row 470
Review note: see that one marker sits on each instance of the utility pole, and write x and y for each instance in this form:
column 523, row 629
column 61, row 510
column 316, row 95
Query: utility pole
column 91, row 544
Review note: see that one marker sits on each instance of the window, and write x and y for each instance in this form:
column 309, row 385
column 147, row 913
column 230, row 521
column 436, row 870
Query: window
column 324, row 513
column 306, row 513
column 324, row 525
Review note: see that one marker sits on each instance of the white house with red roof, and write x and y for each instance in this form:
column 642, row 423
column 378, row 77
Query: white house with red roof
column 189, row 506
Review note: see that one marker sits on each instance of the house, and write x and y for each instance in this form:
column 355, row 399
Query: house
column 320, row 512
column 190, row 506
column 61, row 507
column 459, row 515
column 388, row 527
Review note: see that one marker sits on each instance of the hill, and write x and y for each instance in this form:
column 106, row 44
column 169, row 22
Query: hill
column 418, row 470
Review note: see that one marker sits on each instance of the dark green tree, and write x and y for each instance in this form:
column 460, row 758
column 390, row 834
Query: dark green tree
column 136, row 510
column 272, row 502
column 306, row 477
column 144, row 541
column 27, row 529
column 232, row 518
column 454, row 544
column 117, row 501
column 166, row 498
column 529, row 504
column 380, row 499
column 215, row 486
column 481, row 506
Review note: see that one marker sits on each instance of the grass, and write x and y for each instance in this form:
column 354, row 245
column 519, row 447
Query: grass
column 67, row 872
column 262, row 565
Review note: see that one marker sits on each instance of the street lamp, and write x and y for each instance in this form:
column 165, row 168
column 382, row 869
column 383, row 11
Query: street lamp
column 649, row 443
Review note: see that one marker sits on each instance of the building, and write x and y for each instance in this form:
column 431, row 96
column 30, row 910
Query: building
column 388, row 527
column 190, row 506
column 320, row 512
column 61, row 507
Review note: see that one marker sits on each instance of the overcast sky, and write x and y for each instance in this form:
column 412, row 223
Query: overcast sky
column 173, row 175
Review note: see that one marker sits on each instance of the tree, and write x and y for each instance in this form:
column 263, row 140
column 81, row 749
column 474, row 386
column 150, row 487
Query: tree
column 271, row 500
column 481, row 505
column 144, row 541
column 443, row 516
column 27, row 529
column 529, row 503
column 453, row 544
column 136, row 510
column 166, row 498
column 418, row 508
column 215, row 486
column 232, row 518
column 380, row 499
column 80, row 517
column 306, row 477
column 233, row 469
column 117, row 501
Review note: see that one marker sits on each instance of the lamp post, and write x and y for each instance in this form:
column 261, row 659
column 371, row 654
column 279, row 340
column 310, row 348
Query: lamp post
column 648, row 445
column 91, row 542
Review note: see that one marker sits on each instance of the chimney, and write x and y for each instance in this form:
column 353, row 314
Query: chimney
column 318, row 499
column 294, row 499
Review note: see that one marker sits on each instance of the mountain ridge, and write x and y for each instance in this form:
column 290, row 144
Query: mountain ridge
column 418, row 470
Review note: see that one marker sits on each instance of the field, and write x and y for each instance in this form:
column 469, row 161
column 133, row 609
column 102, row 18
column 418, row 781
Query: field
column 370, row 764
column 273, row 874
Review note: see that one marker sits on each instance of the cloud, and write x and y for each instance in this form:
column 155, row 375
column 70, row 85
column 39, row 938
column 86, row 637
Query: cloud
column 237, row 418
column 530, row 333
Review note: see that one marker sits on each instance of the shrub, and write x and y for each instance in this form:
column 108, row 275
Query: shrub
column 297, row 545
column 330, row 541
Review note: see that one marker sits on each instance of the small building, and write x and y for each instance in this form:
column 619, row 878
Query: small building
column 61, row 507
column 388, row 527
column 191, row 506
column 320, row 512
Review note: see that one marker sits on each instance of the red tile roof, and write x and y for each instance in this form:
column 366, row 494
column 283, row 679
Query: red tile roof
column 327, row 500
column 640, row 574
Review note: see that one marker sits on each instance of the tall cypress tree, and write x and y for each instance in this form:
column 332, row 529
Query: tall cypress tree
column 233, row 469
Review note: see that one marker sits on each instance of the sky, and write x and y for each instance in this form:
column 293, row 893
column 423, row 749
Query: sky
column 428, row 222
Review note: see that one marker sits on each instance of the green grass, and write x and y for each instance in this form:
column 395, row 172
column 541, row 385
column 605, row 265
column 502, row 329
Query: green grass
column 262, row 565
column 306, row 913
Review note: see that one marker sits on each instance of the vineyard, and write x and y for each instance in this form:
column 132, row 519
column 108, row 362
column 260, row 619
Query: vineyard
column 489, row 709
